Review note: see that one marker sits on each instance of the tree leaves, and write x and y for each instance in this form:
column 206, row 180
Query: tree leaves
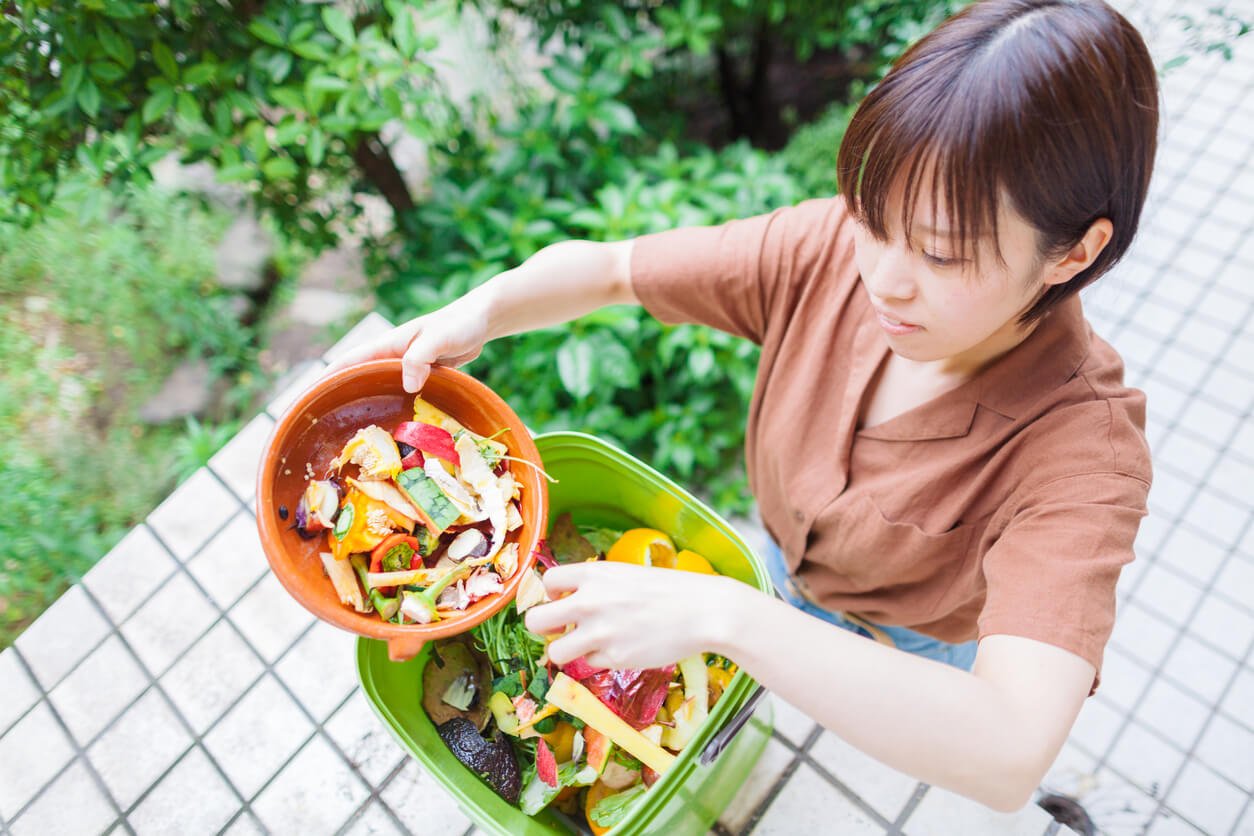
column 404, row 33
column 266, row 31
column 596, row 362
column 165, row 62
column 116, row 46
column 280, row 168
column 187, row 108
column 339, row 25
column 158, row 104
column 315, row 147
column 89, row 98
column 576, row 365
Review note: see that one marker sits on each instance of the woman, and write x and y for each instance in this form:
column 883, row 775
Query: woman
column 944, row 452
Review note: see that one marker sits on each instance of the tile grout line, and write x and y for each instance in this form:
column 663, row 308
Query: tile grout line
column 115, row 628
column 777, row 787
column 1172, row 339
column 1158, row 670
column 1183, row 475
column 80, row 753
column 313, row 734
column 1123, row 776
column 1213, row 593
column 1201, row 481
column 1215, row 707
column 376, row 794
column 196, row 740
column 1188, row 432
column 912, row 804
column 1194, row 96
column 802, row 752
column 1180, row 245
column 1165, row 343
column 153, row 678
column 269, row 667
column 115, row 631
column 845, row 790
column 1241, row 814
column 803, row 755
column 1167, row 623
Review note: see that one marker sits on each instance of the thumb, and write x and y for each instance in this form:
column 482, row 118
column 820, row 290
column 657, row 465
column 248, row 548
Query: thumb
column 416, row 362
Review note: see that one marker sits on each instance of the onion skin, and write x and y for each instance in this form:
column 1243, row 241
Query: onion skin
column 311, row 520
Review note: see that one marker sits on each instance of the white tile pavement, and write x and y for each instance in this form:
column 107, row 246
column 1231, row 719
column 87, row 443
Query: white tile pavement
column 179, row 689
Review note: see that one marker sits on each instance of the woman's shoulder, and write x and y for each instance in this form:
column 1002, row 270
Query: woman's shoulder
column 1092, row 424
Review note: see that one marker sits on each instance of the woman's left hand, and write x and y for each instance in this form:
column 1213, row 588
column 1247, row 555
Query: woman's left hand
column 624, row 616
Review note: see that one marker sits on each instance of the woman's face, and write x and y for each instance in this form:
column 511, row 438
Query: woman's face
column 934, row 305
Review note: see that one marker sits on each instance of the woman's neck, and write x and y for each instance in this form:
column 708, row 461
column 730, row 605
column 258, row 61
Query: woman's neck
column 968, row 364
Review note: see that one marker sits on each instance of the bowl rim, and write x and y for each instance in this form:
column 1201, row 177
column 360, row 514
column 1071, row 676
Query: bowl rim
column 340, row 616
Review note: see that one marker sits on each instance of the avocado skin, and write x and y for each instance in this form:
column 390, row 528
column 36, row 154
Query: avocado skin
column 492, row 760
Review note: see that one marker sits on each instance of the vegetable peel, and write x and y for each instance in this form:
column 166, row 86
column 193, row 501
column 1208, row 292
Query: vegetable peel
column 579, row 702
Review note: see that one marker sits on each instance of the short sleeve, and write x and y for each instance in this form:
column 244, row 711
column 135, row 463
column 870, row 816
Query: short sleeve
column 734, row 276
column 1051, row 573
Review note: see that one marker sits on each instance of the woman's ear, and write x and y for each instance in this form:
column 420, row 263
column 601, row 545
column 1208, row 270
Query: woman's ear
column 1084, row 253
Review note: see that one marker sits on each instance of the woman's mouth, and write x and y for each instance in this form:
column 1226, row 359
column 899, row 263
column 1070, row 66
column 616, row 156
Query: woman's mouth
column 895, row 326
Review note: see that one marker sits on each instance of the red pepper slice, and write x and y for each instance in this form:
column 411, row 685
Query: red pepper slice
column 389, row 543
column 428, row 438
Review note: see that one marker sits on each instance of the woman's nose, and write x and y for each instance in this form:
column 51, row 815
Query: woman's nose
column 893, row 276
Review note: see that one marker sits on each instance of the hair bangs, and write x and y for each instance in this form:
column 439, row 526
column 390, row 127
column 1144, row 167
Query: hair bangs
column 943, row 140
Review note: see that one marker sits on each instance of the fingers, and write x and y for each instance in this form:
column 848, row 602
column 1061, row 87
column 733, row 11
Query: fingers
column 561, row 580
column 391, row 344
column 427, row 348
column 573, row 645
column 415, row 366
column 551, row 618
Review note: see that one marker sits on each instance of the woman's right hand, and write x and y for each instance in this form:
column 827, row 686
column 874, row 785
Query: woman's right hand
column 451, row 336
column 562, row 282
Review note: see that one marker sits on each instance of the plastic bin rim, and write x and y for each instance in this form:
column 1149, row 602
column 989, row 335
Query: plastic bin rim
column 574, row 440
column 740, row 692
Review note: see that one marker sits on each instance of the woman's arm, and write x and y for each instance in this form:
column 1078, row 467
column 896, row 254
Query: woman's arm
column 989, row 735
column 559, row 283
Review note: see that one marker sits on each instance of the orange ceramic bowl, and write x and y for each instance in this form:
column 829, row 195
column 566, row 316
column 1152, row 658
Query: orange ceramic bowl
column 315, row 429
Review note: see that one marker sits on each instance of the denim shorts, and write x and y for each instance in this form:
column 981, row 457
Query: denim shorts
column 961, row 655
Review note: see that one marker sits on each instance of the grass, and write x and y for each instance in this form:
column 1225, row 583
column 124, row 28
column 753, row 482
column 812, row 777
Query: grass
column 97, row 304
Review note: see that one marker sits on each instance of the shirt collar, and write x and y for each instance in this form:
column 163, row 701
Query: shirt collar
column 1048, row 358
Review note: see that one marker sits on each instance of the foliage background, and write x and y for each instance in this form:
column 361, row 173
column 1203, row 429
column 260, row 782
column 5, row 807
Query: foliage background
column 646, row 116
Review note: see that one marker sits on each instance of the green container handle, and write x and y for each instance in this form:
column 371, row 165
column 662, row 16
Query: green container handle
column 727, row 733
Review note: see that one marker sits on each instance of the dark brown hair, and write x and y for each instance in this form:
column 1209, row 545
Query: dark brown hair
column 1052, row 104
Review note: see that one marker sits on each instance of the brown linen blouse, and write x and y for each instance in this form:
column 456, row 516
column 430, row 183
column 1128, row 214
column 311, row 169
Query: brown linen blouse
column 1007, row 505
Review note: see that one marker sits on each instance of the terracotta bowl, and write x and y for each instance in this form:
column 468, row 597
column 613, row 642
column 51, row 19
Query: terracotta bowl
column 316, row 428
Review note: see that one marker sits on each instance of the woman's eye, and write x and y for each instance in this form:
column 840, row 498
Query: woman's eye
column 940, row 260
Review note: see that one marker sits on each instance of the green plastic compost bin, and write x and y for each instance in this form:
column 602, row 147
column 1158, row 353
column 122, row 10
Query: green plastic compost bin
column 601, row 485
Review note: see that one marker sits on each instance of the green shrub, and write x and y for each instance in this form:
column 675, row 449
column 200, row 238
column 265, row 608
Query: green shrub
column 284, row 97
column 575, row 165
column 811, row 152
column 741, row 57
column 97, row 303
